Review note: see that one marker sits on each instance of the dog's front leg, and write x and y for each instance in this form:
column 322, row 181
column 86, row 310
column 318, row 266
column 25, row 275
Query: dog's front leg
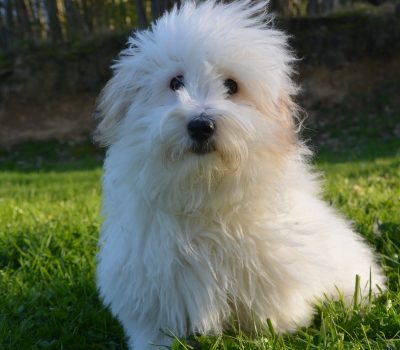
column 144, row 336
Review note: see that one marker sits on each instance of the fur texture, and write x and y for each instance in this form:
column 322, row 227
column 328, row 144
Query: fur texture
column 191, row 240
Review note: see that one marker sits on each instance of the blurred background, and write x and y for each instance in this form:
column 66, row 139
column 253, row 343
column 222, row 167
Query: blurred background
column 55, row 56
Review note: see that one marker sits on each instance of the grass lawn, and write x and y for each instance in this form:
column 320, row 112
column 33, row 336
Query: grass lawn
column 49, row 204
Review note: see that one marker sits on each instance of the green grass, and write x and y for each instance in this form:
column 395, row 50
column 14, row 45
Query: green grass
column 49, row 222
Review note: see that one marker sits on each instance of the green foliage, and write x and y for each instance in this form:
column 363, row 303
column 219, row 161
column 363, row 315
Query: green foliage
column 49, row 222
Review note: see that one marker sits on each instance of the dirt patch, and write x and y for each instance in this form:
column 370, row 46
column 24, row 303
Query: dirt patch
column 324, row 84
column 67, row 118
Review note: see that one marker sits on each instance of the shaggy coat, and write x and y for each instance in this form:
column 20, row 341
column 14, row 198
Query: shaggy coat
column 190, row 241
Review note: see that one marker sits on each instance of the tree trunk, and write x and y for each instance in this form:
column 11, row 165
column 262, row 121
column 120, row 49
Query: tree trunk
column 142, row 20
column 34, row 19
column 279, row 6
column 99, row 17
column 9, row 21
column 55, row 33
column 23, row 24
column 327, row 6
column 4, row 39
column 87, row 16
column 71, row 19
column 312, row 7
column 158, row 7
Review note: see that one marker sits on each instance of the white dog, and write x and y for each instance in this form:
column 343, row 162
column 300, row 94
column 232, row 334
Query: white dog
column 211, row 210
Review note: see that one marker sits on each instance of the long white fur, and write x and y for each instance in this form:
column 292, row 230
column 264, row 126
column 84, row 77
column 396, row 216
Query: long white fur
column 191, row 241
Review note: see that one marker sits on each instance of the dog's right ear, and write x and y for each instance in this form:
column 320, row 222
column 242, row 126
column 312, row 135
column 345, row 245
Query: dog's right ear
column 111, row 107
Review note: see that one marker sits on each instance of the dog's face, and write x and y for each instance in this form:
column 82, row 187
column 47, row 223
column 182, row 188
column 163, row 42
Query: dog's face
column 206, row 90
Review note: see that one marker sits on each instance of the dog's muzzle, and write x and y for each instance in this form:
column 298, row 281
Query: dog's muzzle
column 201, row 130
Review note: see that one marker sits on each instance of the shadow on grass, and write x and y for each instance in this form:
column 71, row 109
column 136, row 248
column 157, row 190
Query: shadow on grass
column 45, row 156
column 59, row 314
column 48, row 294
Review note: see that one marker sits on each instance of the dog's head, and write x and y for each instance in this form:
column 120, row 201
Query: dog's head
column 205, row 89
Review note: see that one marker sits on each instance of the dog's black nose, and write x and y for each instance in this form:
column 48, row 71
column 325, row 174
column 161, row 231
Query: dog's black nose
column 201, row 128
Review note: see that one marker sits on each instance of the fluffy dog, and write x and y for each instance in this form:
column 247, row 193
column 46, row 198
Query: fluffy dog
column 211, row 209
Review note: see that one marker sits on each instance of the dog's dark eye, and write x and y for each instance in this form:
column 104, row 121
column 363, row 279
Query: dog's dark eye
column 176, row 83
column 231, row 86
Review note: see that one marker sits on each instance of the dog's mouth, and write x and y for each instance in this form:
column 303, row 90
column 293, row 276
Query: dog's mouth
column 202, row 148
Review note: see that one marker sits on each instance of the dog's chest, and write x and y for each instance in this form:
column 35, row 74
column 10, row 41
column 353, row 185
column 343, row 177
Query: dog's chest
column 222, row 254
